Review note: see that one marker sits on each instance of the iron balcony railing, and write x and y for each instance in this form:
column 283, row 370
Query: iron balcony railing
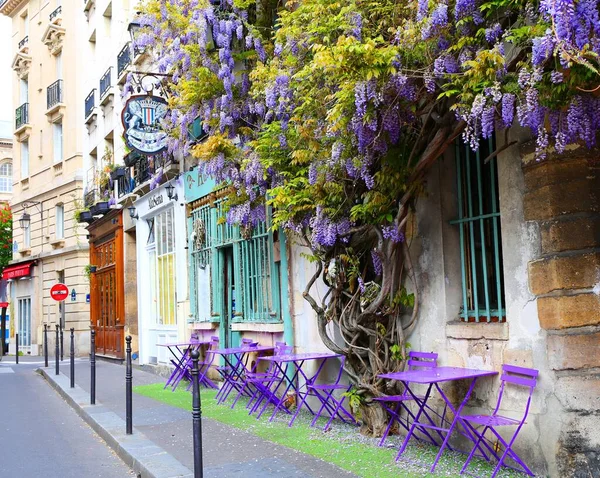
column 23, row 42
column 54, row 94
column 105, row 82
column 90, row 198
column 123, row 59
column 89, row 103
column 56, row 13
column 22, row 115
column 125, row 184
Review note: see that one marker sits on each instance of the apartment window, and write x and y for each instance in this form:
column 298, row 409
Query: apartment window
column 480, row 236
column 6, row 177
column 24, row 91
column 162, row 268
column 60, row 221
column 57, row 134
column 24, row 159
column 58, row 64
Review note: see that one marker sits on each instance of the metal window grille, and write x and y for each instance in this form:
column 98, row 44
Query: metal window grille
column 123, row 59
column 480, row 236
column 105, row 82
column 54, row 94
column 22, row 115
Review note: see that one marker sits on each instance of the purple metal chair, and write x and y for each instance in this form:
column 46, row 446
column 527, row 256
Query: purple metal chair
column 394, row 404
column 182, row 366
column 204, row 366
column 233, row 377
column 525, row 377
column 263, row 382
column 333, row 405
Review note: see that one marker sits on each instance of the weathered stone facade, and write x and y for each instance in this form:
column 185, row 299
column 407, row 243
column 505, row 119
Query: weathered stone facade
column 550, row 225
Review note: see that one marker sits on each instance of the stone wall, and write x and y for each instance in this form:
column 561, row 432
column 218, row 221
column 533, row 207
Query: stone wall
column 563, row 198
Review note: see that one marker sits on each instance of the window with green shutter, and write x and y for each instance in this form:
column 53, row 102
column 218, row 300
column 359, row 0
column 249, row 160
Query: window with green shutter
column 478, row 223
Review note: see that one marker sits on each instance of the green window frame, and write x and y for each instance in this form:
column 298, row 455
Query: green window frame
column 257, row 291
column 480, row 234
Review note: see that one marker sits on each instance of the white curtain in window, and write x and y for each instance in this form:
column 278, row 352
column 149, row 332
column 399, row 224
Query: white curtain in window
column 60, row 221
column 6, row 178
column 58, row 142
column 24, row 159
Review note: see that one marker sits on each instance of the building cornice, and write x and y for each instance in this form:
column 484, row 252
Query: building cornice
column 82, row 247
column 8, row 7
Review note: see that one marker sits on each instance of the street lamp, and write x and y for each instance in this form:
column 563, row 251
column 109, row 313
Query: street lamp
column 170, row 188
column 25, row 220
column 132, row 212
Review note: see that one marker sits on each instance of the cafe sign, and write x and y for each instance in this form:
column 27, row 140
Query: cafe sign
column 141, row 119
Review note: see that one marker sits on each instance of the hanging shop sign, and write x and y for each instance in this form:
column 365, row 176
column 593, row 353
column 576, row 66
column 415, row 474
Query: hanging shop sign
column 141, row 119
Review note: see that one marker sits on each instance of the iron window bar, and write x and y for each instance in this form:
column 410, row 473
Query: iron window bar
column 54, row 94
column 90, row 103
column 123, row 59
column 24, row 42
column 105, row 83
column 55, row 13
column 22, row 115
column 479, row 234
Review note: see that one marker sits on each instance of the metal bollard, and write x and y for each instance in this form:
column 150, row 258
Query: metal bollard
column 72, row 357
column 128, row 389
column 93, row 369
column 46, row 345
column 61, row 345
column 17, row 348
column 196, row 415
column 56, row 351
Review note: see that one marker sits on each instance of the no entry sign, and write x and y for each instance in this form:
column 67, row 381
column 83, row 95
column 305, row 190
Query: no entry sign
column 59, row 292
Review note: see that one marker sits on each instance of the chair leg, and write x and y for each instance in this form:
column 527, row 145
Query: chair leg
column 318, row 414
column 475, row 447
column 393, row 417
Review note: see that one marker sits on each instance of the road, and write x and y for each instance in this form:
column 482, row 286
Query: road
column 40, row 435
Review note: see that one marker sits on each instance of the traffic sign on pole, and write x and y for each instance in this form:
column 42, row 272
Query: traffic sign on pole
column 59, row 292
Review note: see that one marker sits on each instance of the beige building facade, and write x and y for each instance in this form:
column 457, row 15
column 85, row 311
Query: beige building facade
column 6, row 154
column 48, row 171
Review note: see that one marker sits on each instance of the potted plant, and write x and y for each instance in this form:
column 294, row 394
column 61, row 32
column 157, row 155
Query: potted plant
column 101, row 207
column 117, row 173
column 85, row 216
column 89, row 270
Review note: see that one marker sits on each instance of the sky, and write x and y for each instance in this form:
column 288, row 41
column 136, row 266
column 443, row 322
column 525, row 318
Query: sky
column 6, row 73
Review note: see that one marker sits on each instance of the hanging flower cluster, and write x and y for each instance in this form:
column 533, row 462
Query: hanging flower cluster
column 331, row 113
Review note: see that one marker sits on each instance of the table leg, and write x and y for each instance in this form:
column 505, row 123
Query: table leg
column 415, row 422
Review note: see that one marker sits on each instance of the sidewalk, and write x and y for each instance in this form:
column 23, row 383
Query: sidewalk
column 228, row 451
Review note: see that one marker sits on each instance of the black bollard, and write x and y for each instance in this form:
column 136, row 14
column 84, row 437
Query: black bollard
column 17, row 348
column 56, row 351
column 196, row 416
column 72, row 357
column 93, row 369
column 128, row 389
column 61, row 345
column 46, row 345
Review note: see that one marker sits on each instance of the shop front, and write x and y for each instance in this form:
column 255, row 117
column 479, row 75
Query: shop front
column 161, row 271
column 19, row 276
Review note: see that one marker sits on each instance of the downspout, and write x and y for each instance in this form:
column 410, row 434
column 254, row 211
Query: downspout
column 286, row 306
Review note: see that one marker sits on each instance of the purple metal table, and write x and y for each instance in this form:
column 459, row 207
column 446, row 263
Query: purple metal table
column 181, row 359
column 298, row 361
column 236, row 359
column 433, row 377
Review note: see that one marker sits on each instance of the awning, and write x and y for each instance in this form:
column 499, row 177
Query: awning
column 17, row 270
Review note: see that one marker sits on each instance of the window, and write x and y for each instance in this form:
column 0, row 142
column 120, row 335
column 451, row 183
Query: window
column 162, row 268
column 5, row 177
column 480, row 238
column 57, row 134
column 60, row 221
column 24, row 159
column 24, row 319
column 24, row 91
column 58, row 63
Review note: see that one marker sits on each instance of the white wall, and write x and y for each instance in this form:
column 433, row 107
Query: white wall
column 6, row 73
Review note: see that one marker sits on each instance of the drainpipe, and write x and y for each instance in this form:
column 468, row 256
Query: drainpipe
column 288, row 329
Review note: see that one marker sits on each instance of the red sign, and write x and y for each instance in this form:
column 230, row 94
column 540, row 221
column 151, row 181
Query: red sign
column 16, row 271
column 59, row 292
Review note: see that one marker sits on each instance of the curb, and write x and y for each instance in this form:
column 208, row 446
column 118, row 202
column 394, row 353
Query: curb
column 142, row 455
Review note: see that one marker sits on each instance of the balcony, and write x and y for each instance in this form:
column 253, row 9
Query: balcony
column 23, row 43
column 56, row 15
column 145, row 167
column 90, row 104
column 105, row 87
column 123, row 61
column 22, row 126
column 55, row 101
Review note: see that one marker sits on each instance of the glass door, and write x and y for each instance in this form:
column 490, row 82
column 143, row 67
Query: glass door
column 24, row 322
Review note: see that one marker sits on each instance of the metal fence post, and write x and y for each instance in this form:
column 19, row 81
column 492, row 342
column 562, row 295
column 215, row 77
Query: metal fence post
column 56, row 351
column 17, row 348
column 196, row 416
column 61, row 345
column 93, row 369
column 72, row 357
column 46, row 345
column 128, row 389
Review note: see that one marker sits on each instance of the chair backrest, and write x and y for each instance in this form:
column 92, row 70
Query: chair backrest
column 521, row 376
column 214, row 343
column 420, row 360
column 281, row 348
column 249, row 343
column 195, row 337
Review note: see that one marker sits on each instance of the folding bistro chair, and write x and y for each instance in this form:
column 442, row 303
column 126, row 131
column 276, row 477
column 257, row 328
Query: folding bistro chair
column 233, row 376
column 525, row 377
column 204, row 366
column 333, row 405
column 182, row 365
column 394, row 404
column 263, row 381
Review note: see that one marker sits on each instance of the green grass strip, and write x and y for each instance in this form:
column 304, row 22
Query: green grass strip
column 340, row 446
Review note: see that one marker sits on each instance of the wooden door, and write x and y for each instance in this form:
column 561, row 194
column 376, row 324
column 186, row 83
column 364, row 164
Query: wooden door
column 107, row 317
